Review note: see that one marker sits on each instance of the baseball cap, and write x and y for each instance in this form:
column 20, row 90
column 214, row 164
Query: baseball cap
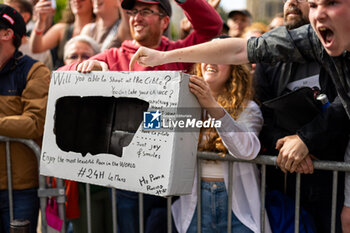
column 164, row 4
column 242, row 12
column 11, row 18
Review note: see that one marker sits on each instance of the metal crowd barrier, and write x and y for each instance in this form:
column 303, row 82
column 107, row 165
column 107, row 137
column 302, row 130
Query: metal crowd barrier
column 43, row 192
column 266, row 160
column 32, row 145
column 263, row 160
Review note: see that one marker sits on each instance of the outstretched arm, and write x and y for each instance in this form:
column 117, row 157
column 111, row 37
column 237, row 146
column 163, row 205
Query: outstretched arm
column 225, row 51
column 40, row 40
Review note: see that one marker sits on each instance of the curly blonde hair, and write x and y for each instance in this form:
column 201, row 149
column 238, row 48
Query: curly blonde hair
column 234, row 99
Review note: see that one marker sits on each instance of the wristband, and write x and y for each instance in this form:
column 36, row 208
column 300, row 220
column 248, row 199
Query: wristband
column 38, row 32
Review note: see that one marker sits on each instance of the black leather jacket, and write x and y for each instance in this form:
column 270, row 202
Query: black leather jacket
column 327, row 134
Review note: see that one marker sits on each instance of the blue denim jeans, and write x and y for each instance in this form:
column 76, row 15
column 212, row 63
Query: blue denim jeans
column 214, row 211
column 315, row 194
column 25, row 206
column 155, row 213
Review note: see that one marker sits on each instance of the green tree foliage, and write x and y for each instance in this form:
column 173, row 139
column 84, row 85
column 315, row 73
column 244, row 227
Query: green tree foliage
column 61, row 5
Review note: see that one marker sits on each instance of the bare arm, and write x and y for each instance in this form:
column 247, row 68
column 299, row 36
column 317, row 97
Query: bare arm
column 225, row 51
column 39, row 41
column 49, row 40
column 345, row 219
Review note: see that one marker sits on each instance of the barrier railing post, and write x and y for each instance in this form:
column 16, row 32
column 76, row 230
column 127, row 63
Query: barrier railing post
column 334, row 200
column 61, row 199
column 262, row 198
column 88, row 206
column 43, row 203
column 199, row 196
column 297, row 203
column 9, row 178
column 141, row 222
column 114, row 209
column 229, row 198
column 169, row 214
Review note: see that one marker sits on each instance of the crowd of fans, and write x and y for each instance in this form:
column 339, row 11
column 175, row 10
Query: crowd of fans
column 107, row 35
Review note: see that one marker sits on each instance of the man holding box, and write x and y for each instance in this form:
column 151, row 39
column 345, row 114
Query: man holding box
column 148, row 21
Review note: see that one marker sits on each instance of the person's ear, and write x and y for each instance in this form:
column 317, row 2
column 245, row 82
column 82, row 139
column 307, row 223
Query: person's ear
column 165, row 22
column 7, row 34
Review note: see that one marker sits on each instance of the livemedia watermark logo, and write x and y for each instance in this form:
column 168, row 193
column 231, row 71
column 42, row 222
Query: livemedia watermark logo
column 154, row 120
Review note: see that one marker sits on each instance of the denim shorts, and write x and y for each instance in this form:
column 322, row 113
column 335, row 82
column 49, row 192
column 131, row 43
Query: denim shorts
column 214, row 211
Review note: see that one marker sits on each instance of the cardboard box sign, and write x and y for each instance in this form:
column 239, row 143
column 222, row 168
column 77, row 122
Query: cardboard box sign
column 107, row 128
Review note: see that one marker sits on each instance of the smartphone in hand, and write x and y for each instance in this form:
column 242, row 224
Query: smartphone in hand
column 53, row 4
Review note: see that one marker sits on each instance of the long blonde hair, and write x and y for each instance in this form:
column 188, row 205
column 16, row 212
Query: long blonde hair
column 234, row 98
